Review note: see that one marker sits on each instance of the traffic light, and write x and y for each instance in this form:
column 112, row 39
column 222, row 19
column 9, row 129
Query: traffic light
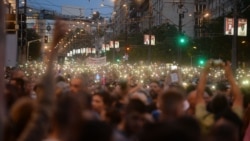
column 201, row 62
column 22, row 30
column 127, row 49
column 182, row 39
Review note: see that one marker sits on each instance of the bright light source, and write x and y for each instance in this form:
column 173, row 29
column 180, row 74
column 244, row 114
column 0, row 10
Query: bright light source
column 202, row 62
column 206, row 15
column 174, row 67
column 184, row 84
column 245, row 82
column 182, row 40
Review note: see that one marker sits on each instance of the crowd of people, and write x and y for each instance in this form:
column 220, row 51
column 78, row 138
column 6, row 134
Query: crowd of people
column 121, row 102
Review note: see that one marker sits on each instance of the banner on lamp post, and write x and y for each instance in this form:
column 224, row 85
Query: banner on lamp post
column 229, row 27
column 242, row 27
column 103, row 47
column 117, row 44
column 107, row 47
column 147, row 41
column 111, row 44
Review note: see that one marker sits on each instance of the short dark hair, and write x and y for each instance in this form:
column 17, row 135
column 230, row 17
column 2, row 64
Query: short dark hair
column 175, row 130
column 106, row 97
column 136, row 105
column 160, row 83
column 169, row 100
column 220, row 103
column 226, row 132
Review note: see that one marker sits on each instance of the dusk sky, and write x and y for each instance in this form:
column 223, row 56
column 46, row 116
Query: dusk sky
column 87, row 5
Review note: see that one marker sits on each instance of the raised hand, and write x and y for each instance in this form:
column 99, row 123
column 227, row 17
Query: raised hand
column 228, row 70
column 60, row 29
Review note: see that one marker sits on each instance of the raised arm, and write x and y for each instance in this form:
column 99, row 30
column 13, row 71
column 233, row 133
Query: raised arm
column 202, row 84
column 39, row 122
column 237, row 96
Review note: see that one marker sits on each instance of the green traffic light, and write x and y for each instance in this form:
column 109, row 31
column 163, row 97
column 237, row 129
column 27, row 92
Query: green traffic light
column 202, row 62
column 182, row 40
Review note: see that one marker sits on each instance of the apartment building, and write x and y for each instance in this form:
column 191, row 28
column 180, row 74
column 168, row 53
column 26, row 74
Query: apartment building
column 11, row 50
column 145, row 14
column 121, row 16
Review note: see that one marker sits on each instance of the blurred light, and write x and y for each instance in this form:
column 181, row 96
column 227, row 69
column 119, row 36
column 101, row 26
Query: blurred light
column 174, row 67
column 201, row 62
column 184, row 84
column 213, row 87
column 206, row 15
column 245, row 82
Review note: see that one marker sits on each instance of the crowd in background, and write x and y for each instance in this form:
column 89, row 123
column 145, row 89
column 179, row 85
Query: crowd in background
column 125, row 102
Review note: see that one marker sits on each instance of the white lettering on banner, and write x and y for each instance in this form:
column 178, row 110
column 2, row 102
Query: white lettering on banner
column 96, row 61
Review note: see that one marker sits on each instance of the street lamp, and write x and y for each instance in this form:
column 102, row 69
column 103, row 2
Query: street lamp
column 28, row 47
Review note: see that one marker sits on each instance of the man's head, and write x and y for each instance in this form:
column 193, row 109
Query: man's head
column 219, row 103
column 18, row 74
column 135, row 116
column 76, row 85
column 171, row 104
column 155, row 88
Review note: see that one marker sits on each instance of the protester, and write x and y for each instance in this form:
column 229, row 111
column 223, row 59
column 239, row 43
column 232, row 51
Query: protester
column 124, row 102
column 219, row 104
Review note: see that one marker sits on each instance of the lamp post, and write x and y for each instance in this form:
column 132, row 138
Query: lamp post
column 149, row 27
column 28, row 47
column 181, row 12
column 126, row 26
column 113, row 44
column 234, row 43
